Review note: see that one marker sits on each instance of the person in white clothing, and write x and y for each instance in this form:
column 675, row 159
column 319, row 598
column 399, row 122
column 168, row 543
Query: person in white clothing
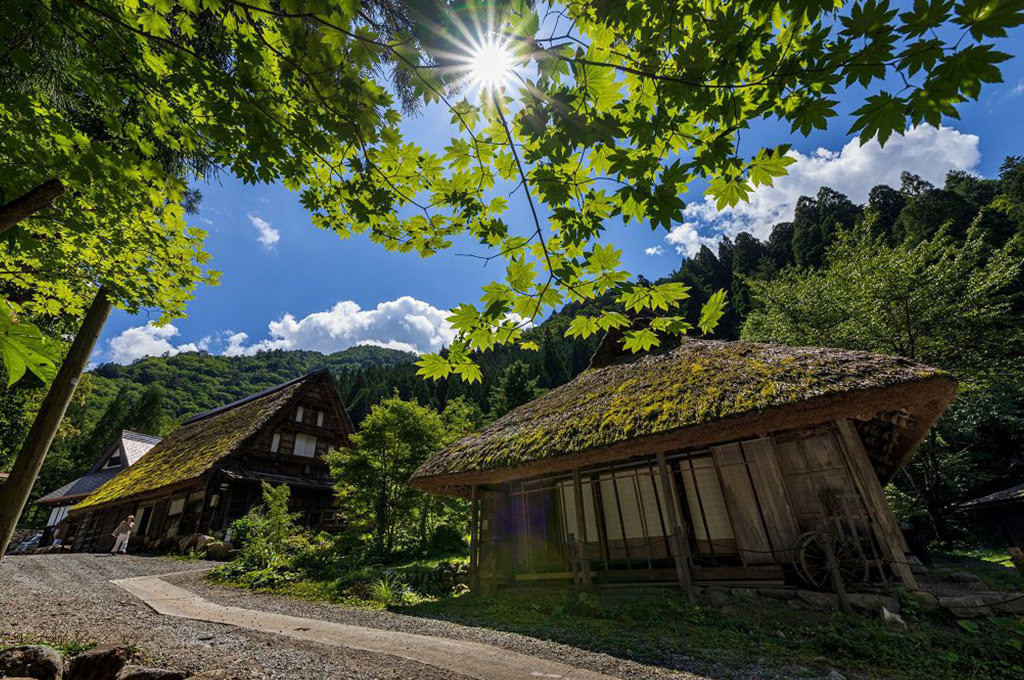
column 121, row 535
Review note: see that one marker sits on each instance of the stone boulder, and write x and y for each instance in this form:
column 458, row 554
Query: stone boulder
column 1009, row 603
column 99, row 663
column 146, row 673
column 717, row 597
column 781, row 594
column 868, row 602
column 185, row 544
column 816, row 600
column 219, row 551
column 32, row 661
column 966, row 606
column 926, row 602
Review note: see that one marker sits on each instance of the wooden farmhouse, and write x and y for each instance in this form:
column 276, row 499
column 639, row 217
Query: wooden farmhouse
column 121, row 454
column 714, row 461
column 208, row 472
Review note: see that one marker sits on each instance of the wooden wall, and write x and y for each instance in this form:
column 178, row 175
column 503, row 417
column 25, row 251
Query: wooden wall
column 775, row 488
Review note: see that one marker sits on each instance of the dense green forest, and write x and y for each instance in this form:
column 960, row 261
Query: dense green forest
column 930, row 273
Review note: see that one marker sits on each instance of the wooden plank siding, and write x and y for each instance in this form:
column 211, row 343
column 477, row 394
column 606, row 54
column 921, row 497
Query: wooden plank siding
column 744, row 510
column 781, row 522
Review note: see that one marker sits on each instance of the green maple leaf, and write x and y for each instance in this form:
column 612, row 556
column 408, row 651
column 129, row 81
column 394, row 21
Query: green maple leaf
column 712, row 312
column 882, row 115
column 25, row 348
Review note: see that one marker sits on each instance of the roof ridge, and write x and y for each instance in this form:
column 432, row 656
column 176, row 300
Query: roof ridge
column 252, row 397
column 141, row 435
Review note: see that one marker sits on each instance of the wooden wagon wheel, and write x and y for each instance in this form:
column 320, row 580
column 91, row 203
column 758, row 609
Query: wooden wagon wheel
column 812, row 563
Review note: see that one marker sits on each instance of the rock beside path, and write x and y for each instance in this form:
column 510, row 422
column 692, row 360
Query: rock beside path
column 108, row 662
column 32, row 661
column 146, row 673
column 99, row 663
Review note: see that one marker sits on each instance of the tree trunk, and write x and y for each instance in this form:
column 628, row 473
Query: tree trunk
column 30, row 202
column 14, row 494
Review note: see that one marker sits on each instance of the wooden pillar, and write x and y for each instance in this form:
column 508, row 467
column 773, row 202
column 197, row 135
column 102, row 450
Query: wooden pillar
column 474, row 542
column 574, row 563
column 680, row 548
column 888, row 532
column 581, row 528
column 834, row 576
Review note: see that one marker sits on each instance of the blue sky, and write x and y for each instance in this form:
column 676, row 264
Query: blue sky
column 286, row 284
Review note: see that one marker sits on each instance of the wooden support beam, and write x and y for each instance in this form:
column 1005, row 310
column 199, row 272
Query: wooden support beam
column 474, row 542
column 889, row 536
column 581, row 527
column 680, row 548
column 834, row 576
column 574, row 563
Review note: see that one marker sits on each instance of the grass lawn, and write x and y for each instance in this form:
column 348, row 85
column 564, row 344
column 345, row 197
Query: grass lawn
column 994, row 567
column 656, row 626
column 659, row 628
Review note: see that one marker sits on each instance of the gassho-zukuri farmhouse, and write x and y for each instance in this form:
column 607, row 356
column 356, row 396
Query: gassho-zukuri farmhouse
column 713, row 461
column 208, row 472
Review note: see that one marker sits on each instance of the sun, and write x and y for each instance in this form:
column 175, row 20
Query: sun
column 491, row 65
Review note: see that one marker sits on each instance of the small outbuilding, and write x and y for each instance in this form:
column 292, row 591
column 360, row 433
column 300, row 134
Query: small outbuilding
column 121, row 454
column 712, row 462
column 208, row 472
column 1005, row 511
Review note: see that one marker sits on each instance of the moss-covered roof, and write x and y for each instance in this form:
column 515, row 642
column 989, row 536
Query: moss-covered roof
column 196, row 446
column 700, row 382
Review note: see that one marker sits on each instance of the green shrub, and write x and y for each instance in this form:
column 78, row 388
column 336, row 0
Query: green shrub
column 389, row 590
column 270, row 542
column 446, row 540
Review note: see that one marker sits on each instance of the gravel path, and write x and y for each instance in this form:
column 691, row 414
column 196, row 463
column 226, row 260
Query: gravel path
column 70, row 598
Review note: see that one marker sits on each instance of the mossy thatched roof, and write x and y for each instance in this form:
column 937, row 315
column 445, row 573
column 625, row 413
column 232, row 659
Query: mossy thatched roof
column 195, row 447
column 699, row 384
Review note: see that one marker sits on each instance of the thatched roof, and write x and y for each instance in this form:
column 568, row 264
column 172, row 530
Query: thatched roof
column 1014, row 494
column 199, row 444
column 702, row 392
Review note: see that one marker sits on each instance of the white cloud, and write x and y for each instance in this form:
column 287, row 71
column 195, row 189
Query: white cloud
column 927, row 151
column 1018, row 89
column 149, row 341
column 687, row 240
column 268, row 236
column 655, row 250
column 235, row 343
column 405, row 324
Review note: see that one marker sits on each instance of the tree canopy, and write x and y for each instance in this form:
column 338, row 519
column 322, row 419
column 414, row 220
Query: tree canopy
column 616, row 108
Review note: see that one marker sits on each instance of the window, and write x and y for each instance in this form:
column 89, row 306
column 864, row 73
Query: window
column 305, row 445
column 298, row 414
column 706, row 504
column 275, row 442
column 177, row 505
column 113, row 462
column 319, row 418
column 634, row 515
